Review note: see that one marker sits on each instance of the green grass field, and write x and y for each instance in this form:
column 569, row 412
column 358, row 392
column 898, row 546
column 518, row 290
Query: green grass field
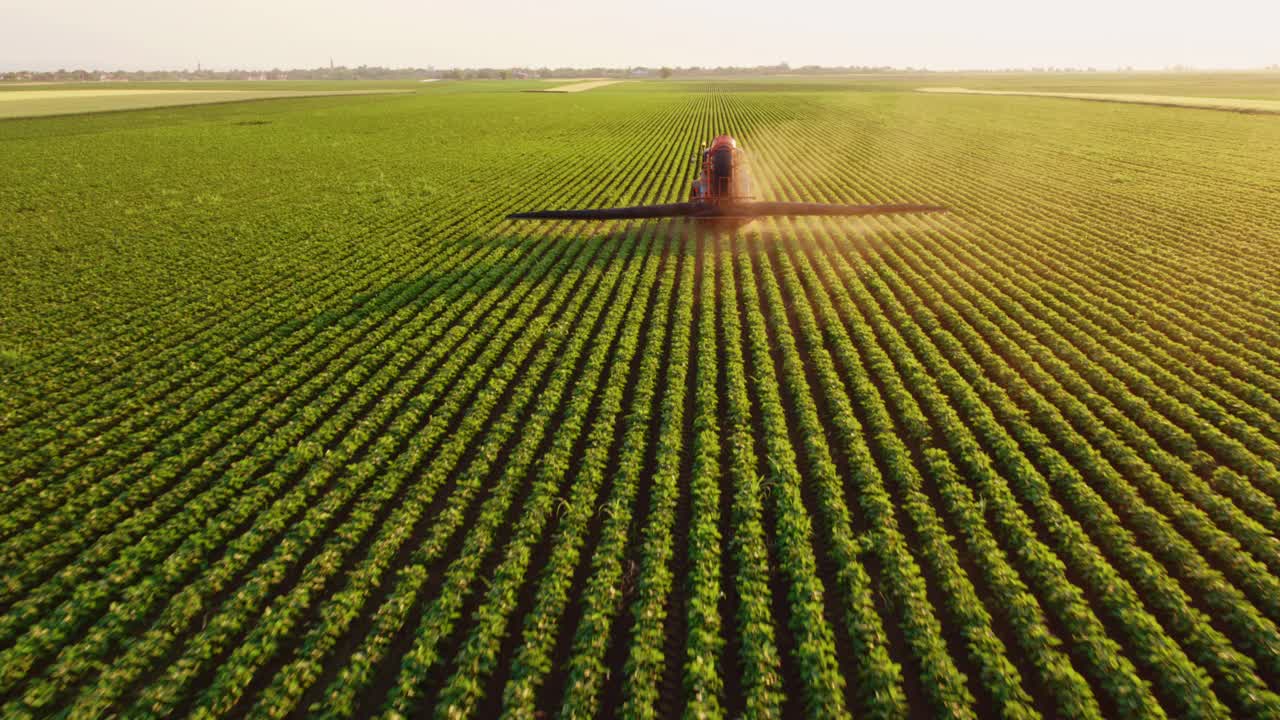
column 293, row 422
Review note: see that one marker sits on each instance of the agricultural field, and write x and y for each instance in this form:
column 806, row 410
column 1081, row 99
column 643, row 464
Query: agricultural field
column 49, row 101
column 1186, row 101
column 1248, row 85
column 577, row 87
column 294, row 422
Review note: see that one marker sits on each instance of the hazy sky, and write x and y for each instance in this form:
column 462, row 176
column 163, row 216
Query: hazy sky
column 939, row 34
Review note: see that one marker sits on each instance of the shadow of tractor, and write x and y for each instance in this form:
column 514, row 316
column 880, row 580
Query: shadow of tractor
column 507, row 253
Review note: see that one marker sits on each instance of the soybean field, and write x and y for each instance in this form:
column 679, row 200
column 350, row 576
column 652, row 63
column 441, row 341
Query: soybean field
column 293, row 421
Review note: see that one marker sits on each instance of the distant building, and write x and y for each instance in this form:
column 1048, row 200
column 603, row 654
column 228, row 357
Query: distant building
column 639, row 72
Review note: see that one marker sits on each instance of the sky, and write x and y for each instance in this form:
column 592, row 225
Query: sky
column 937, row 34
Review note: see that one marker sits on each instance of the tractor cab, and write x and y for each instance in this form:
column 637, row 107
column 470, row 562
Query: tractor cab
column 723, row 177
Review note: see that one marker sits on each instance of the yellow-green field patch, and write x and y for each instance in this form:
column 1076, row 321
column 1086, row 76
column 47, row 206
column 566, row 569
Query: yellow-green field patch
column 32, row 103
column 1209, row 103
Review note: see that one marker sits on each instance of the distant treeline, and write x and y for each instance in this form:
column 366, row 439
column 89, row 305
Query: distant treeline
column 374, row 72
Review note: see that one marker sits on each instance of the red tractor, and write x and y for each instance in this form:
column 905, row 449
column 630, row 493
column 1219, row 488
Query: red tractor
column 723, row 178
column 721, row 198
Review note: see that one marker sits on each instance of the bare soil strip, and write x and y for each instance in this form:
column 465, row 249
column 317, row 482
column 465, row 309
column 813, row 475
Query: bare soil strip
column 578, row 87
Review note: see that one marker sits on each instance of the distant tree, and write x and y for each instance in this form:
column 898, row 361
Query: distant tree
column 664, row 73
column 503, row 74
